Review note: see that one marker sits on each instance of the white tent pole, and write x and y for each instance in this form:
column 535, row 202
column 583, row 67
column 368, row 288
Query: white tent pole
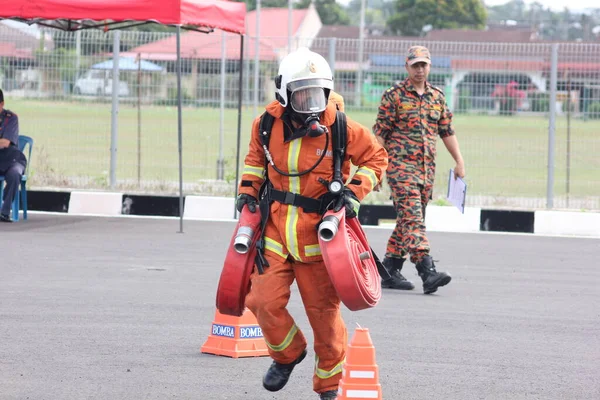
column 220, row 160
column 179, row 129
column 77, row 54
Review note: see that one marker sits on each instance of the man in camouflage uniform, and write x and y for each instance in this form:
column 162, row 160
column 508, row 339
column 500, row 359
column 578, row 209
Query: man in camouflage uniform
column 411, row 116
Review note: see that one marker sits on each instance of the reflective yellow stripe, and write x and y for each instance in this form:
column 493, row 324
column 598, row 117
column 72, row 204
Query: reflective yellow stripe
column 312, row 250
column 286, row 342
column 369, row 174
column 252, row 170
column 275, row 247
column 323, row 374
column 291, row 222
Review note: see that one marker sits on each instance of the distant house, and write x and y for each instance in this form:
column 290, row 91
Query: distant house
column 493, row 34
column 201, row 51
column 273, row 38
column 18, row 43
column 465, row 63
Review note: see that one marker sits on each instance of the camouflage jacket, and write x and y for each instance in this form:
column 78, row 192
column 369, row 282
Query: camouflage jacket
column 409, row 124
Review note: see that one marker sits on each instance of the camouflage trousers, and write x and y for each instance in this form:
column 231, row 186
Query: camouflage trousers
column 409, row 237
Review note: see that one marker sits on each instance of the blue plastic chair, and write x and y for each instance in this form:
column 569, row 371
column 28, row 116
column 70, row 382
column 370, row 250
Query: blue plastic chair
column 21, row 197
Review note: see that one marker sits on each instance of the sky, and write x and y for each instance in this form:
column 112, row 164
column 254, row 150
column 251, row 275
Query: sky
column 555, row 5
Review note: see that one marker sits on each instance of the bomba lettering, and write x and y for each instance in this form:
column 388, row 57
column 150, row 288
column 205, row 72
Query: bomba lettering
column 250, row 332
column 329, row 153
column 223, row 330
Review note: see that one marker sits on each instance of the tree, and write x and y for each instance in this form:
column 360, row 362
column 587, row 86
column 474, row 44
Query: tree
column 412, row 15
column 376, row 14
column 329, row 11
column 548, row 24
column 251, row 4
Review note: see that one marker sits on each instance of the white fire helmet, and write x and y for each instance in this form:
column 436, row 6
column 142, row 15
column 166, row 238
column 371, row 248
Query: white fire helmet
column 304, row 81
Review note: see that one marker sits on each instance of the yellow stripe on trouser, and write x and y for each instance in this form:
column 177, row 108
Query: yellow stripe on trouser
column 324, row 374
column 275, row 247
column 286, row 342
column 312, row 250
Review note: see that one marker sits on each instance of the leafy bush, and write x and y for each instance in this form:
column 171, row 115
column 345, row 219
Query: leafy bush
column 594, row 110
column 465, row 102
column 539, row 102
column 508, row 106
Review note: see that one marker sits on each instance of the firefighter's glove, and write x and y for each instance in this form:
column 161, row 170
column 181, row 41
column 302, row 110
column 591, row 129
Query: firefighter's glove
column 246, row 199
column 348, row 199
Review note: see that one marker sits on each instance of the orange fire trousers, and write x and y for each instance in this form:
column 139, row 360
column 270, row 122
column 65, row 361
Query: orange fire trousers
column 268, row 299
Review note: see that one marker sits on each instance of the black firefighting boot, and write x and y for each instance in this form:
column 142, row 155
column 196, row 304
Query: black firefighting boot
column 328, row 395
column 278, row 374
column 396, row 280
column 432, row 279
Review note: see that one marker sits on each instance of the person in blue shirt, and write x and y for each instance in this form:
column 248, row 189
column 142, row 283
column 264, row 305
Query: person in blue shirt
column 12, row 160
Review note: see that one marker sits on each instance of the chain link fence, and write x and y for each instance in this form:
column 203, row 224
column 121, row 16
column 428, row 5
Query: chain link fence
column 527, row 115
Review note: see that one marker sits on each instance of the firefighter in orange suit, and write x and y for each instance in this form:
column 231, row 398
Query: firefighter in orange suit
column 296, row 188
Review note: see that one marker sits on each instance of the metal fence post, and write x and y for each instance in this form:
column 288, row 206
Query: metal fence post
column 361, row 50
column 257, row 59
column 331, row 55
column 552, row 126
column 115, row 109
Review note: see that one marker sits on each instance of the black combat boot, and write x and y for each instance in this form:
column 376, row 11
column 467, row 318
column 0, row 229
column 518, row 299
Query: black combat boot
column 397, row 280
column 432, row 279
column 328, row 395
column 278, row 374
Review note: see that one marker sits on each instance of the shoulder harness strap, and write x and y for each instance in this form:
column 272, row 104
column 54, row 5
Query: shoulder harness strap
column 264, row 127
column 340, row 135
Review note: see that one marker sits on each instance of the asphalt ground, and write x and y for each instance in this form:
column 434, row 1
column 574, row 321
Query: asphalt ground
column 117, row 308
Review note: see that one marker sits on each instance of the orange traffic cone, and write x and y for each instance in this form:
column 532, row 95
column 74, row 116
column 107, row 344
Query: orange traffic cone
column 360, row 374
column 235, row 337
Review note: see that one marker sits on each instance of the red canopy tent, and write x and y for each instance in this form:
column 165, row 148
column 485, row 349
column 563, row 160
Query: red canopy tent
column 225, row 15
column 201, row 15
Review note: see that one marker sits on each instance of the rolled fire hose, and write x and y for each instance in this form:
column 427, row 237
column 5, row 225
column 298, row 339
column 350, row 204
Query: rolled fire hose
column 234, row 283
column 349, row 260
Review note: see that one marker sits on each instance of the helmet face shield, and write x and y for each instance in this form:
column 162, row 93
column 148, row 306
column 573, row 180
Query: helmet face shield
column 302, row 69
column 308, row 100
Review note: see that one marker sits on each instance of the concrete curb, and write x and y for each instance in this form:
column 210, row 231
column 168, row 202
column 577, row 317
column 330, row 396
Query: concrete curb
column 438, row 218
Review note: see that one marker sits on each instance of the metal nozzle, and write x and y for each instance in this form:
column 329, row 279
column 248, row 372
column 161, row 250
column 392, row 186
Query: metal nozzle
column 243, row 240
column 328, row 228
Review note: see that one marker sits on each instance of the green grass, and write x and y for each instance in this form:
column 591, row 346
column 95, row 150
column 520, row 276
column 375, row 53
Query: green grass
column 505, row 156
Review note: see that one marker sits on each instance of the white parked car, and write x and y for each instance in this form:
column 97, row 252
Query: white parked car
column 98, row 83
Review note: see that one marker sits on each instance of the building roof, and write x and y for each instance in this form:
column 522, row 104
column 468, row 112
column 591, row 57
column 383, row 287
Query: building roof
column 10, row 50
column 274, row 24
column 494, row 34
column 458, row 50
column 202, row 46
column 20, row 40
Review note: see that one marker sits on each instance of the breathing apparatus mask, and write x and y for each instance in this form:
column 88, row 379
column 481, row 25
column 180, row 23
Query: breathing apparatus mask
column 302, row 86
column 306, row 106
